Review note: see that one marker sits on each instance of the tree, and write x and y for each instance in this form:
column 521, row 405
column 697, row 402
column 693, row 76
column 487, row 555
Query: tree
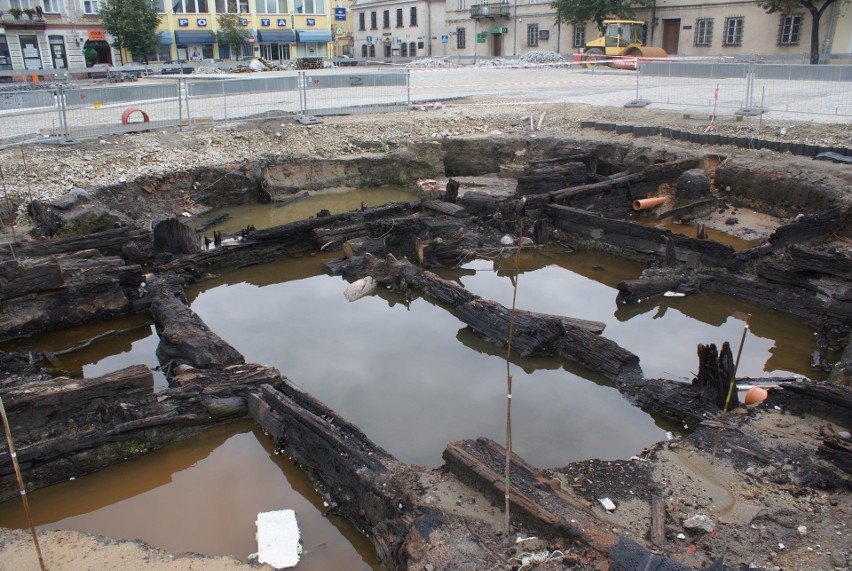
column 133, row 24
column 230, row 32
column 578, row 12
column 816, row 8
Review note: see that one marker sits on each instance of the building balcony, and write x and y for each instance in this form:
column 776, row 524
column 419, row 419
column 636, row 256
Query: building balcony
column 23, row 21
column 486, row 10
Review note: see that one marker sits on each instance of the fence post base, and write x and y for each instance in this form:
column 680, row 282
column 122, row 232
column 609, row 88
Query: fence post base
column 638, row 103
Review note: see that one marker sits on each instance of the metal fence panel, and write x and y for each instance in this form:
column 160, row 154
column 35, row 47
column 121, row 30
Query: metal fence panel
column 347, row 93
column 27, row 114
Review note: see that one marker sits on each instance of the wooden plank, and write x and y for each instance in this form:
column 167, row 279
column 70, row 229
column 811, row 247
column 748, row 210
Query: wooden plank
column 533, row 498
column 658, row 521
column 448, row 208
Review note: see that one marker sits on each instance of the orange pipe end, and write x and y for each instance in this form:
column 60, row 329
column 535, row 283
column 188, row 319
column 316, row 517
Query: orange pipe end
column 756, row 395
column 644, row 203
column 125, row 115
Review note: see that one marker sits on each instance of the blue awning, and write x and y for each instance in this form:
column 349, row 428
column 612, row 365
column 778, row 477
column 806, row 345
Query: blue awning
column 165, row 38
column 281, row 36
column 184, row 37
column 313, row 36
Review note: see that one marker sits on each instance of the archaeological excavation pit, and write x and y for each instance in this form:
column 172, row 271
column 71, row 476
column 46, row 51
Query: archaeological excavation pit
column 611, row 303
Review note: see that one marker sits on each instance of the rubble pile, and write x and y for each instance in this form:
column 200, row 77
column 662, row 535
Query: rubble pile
column 542, row 56
column 428, row 62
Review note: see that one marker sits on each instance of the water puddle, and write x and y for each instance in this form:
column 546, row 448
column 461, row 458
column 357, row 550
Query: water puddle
column 200, row 495
column 301, row 207
column 689, row 230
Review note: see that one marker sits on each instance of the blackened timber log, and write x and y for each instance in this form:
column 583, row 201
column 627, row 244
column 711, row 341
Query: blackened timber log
column 45, row 220
column 839, row 395
column 534, row 499
column 541, row 178
column 479, row 203
column 837, row 451
column 632, row 291
column 612, row 194
column 212, row 222
column 58, row 291
column 355, row 475
column 715, row 374
column 533, row 333
column 174, row 237
column 184, row 337
column 332, row 239
column 133, row 244
column 833, row 261
column 636, row 237
column 807, row 228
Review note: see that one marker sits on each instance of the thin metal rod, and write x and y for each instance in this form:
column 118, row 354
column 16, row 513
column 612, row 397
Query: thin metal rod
column 21, row 483
column 507, row 480
column 27, row 174
column 731, row 386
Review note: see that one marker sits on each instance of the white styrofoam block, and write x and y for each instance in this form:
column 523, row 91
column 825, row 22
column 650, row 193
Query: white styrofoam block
column 278, row 539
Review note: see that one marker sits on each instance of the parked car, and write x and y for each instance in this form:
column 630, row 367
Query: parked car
column 173, row 67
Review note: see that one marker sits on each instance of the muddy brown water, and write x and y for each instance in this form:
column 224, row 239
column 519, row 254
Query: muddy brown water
column 411, row 377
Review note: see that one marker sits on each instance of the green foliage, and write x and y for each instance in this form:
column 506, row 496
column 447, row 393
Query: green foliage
column 230, row 33
column 133, row 24
column 578, row 12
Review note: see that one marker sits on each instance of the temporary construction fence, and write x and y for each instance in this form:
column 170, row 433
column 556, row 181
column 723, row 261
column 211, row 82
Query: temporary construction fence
column 69, row 112
column 746, row 88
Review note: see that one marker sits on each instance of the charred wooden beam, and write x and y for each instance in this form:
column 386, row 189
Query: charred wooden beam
column 532, row 333
column 58, row 291
column 715, row 374
column 360, row 246
column 807, row 228
column 542, row 177
column 634, row 237
column 133, row 244
column 184, row 337
column 173, row 237
column 446, row 208
column 534, row 499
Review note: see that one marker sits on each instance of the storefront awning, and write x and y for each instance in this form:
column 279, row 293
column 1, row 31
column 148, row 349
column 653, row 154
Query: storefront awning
column 165, row 38
column 184, row 37
column 313, row 36
column 280, row 36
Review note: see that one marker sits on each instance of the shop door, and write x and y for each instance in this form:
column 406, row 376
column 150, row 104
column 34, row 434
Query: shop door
column 497, row 45
column 671, row 35
column 57, row 52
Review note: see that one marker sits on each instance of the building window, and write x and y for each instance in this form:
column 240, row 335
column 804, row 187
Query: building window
column 412, row 16
column 733, row 31
column 412, row 49
column 403, row 49
column 310, row 7
column 372, row 50
column 703, row 32
column 461, row 40
column 262, row 6
column 532, row 35
column 373, row 25
column 579, row 37
column 182, row 6
column 399, row 18
column 91, row 7
column 362, row 21
column 52, row 7
column 386, row 19
column 462, row 5
column 790, row 30
column 20, row 4
column 364, row 51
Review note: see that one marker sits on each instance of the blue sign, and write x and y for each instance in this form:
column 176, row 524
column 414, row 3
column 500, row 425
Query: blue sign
column 311, row 21
column 369, row 39
column 201, row 22
column 282, row 22
column 398, row 41
column 340, row 14
column 445, row 39
column 243, row 21
column 264, row 22
column 183, row 22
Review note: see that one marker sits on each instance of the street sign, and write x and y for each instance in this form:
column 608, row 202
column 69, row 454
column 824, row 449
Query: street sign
column 398, row 41
column 445, row 39
column 251, row 40
column 340, row 14
column 369, row 39
column 480, row 37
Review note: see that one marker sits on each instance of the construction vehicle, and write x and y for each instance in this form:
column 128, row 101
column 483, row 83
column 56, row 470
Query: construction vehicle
column 621, row 39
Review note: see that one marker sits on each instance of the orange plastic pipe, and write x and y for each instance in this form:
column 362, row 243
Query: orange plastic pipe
column 125, row 115
column 644, row 203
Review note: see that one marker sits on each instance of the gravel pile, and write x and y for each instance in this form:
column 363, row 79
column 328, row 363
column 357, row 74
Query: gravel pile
column 542, row 57
column 428, row 62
